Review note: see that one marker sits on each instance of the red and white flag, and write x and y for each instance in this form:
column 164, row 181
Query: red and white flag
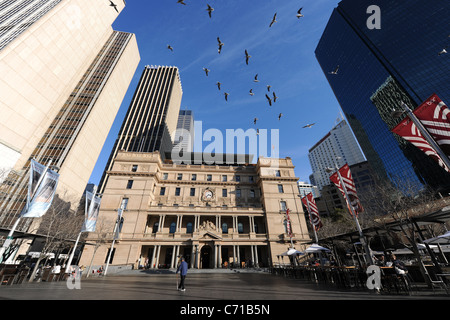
column 314, row 216
column 288, row 223
column 347, row 179
column 434, row 115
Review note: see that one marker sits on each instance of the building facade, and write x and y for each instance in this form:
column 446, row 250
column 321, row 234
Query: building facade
column 337, row 147
column 381, row 67
column 213, row 215
column 152, row 117
column 185, row 133
column 64, row 77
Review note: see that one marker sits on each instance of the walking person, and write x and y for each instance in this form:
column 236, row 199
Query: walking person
column 183, row 268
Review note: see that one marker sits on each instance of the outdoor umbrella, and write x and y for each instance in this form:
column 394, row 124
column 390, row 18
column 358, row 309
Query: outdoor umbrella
column 442, row 239
column 316, row 248
column 291, row 252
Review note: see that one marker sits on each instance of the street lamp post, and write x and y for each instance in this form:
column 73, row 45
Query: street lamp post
column 116, row 230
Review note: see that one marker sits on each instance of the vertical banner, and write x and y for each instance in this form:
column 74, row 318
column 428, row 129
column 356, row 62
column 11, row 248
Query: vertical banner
column 91, row 212
column 119, row 224
column 349, row 184
column 314, row 216
column 40, row 197
column 288, row 223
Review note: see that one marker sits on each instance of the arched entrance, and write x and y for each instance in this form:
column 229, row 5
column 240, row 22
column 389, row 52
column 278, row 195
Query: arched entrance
column 205, row 257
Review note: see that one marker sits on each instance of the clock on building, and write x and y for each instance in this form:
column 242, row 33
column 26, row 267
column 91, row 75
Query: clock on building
column 208, row 195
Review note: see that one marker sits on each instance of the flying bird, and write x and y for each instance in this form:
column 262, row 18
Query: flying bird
column 274, row 19
column 169, row 47
column 247, row 56
column 335, row 71
column 268, row 99
column 206, row 71
column 274, row 97
column 309, row 125
column 209, row 9
column 251, row 92
column 181, row 2
column 256, row 78
column 218, row 85
column 279, row 116
column 299, row 13
column 226, row 96
column 254, row 120
column 268, row 88
column 112, row 4
column 220, row 44
column 443, row 51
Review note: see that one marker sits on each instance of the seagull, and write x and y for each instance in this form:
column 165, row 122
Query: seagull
column 220, row 44
column 268, row 99
column 181, row 2
column 279, row 116
column 226, row 96
column 251, row 92
column 206, row 71
column 335, row 71
column 274, row 97
column 169, row 47
column 273, row 20
column 268, row 88
column 254, row 120
column 309, row 125
column 247, row 56
column 256, row 78
column 218, row 85
column 443, row 51
column 112, row 4
column 299, row 13
column 210, row 9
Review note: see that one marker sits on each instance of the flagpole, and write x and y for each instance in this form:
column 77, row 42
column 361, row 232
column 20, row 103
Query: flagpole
column 79, row 235
column 9, row 238
column 114, row 240
column 426, row 134
column 361, row 235
column 310, row 220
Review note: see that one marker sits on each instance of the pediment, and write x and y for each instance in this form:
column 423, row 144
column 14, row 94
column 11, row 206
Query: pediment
column 208, row 235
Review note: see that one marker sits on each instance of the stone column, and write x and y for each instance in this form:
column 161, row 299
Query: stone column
column 172, row 263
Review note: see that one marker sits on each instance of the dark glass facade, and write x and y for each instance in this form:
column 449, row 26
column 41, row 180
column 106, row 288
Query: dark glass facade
column 379, row 68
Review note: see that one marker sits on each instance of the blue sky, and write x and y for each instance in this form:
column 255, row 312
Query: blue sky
column 282, row 56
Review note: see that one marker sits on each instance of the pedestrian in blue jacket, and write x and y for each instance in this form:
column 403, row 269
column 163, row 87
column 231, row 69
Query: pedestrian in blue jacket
column 183, row 268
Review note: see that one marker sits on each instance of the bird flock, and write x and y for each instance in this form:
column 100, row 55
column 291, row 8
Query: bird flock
column 270, row 96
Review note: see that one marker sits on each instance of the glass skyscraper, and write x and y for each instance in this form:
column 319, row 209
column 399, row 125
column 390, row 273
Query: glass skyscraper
column 380, row 68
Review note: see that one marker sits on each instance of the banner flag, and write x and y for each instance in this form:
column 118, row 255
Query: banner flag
column 119, row 224
column 91, row 212
column 347, row 179
column 40, row 197
column 288, row 221
column 314, row 216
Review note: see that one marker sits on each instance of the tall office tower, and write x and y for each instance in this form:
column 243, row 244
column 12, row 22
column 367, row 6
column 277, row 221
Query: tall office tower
column 152, row 117
column 184, row 135
column 381, row 65
column 63, row 74
column 337, row 147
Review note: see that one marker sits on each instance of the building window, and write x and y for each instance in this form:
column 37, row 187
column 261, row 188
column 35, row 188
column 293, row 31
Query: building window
column 189, row 228
column 173, row 227
column 251, row 179
column 224, row 228
column 238, row 193
column 194, row 177
column 224, row 193
column 280, row 188
column 277, row 173
column 238, row 178
column 134, row 168
column 255, row 226
column 155, row 227
column 209, row 177
column 130, row 184
column 162, row 191
column 177, row 191
column 283, row 205
column 252, row 193
column 192, row 192
column 165, row 176
column 240, row 227
column 180, row 176
column 124, row 204
column 224, row 178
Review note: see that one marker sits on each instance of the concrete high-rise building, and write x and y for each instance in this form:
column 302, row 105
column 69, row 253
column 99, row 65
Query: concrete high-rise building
column 337, row 147
column 400, row 60
column 63, row 75
column 152, row 117
column 184, row 135
column 305, row 188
